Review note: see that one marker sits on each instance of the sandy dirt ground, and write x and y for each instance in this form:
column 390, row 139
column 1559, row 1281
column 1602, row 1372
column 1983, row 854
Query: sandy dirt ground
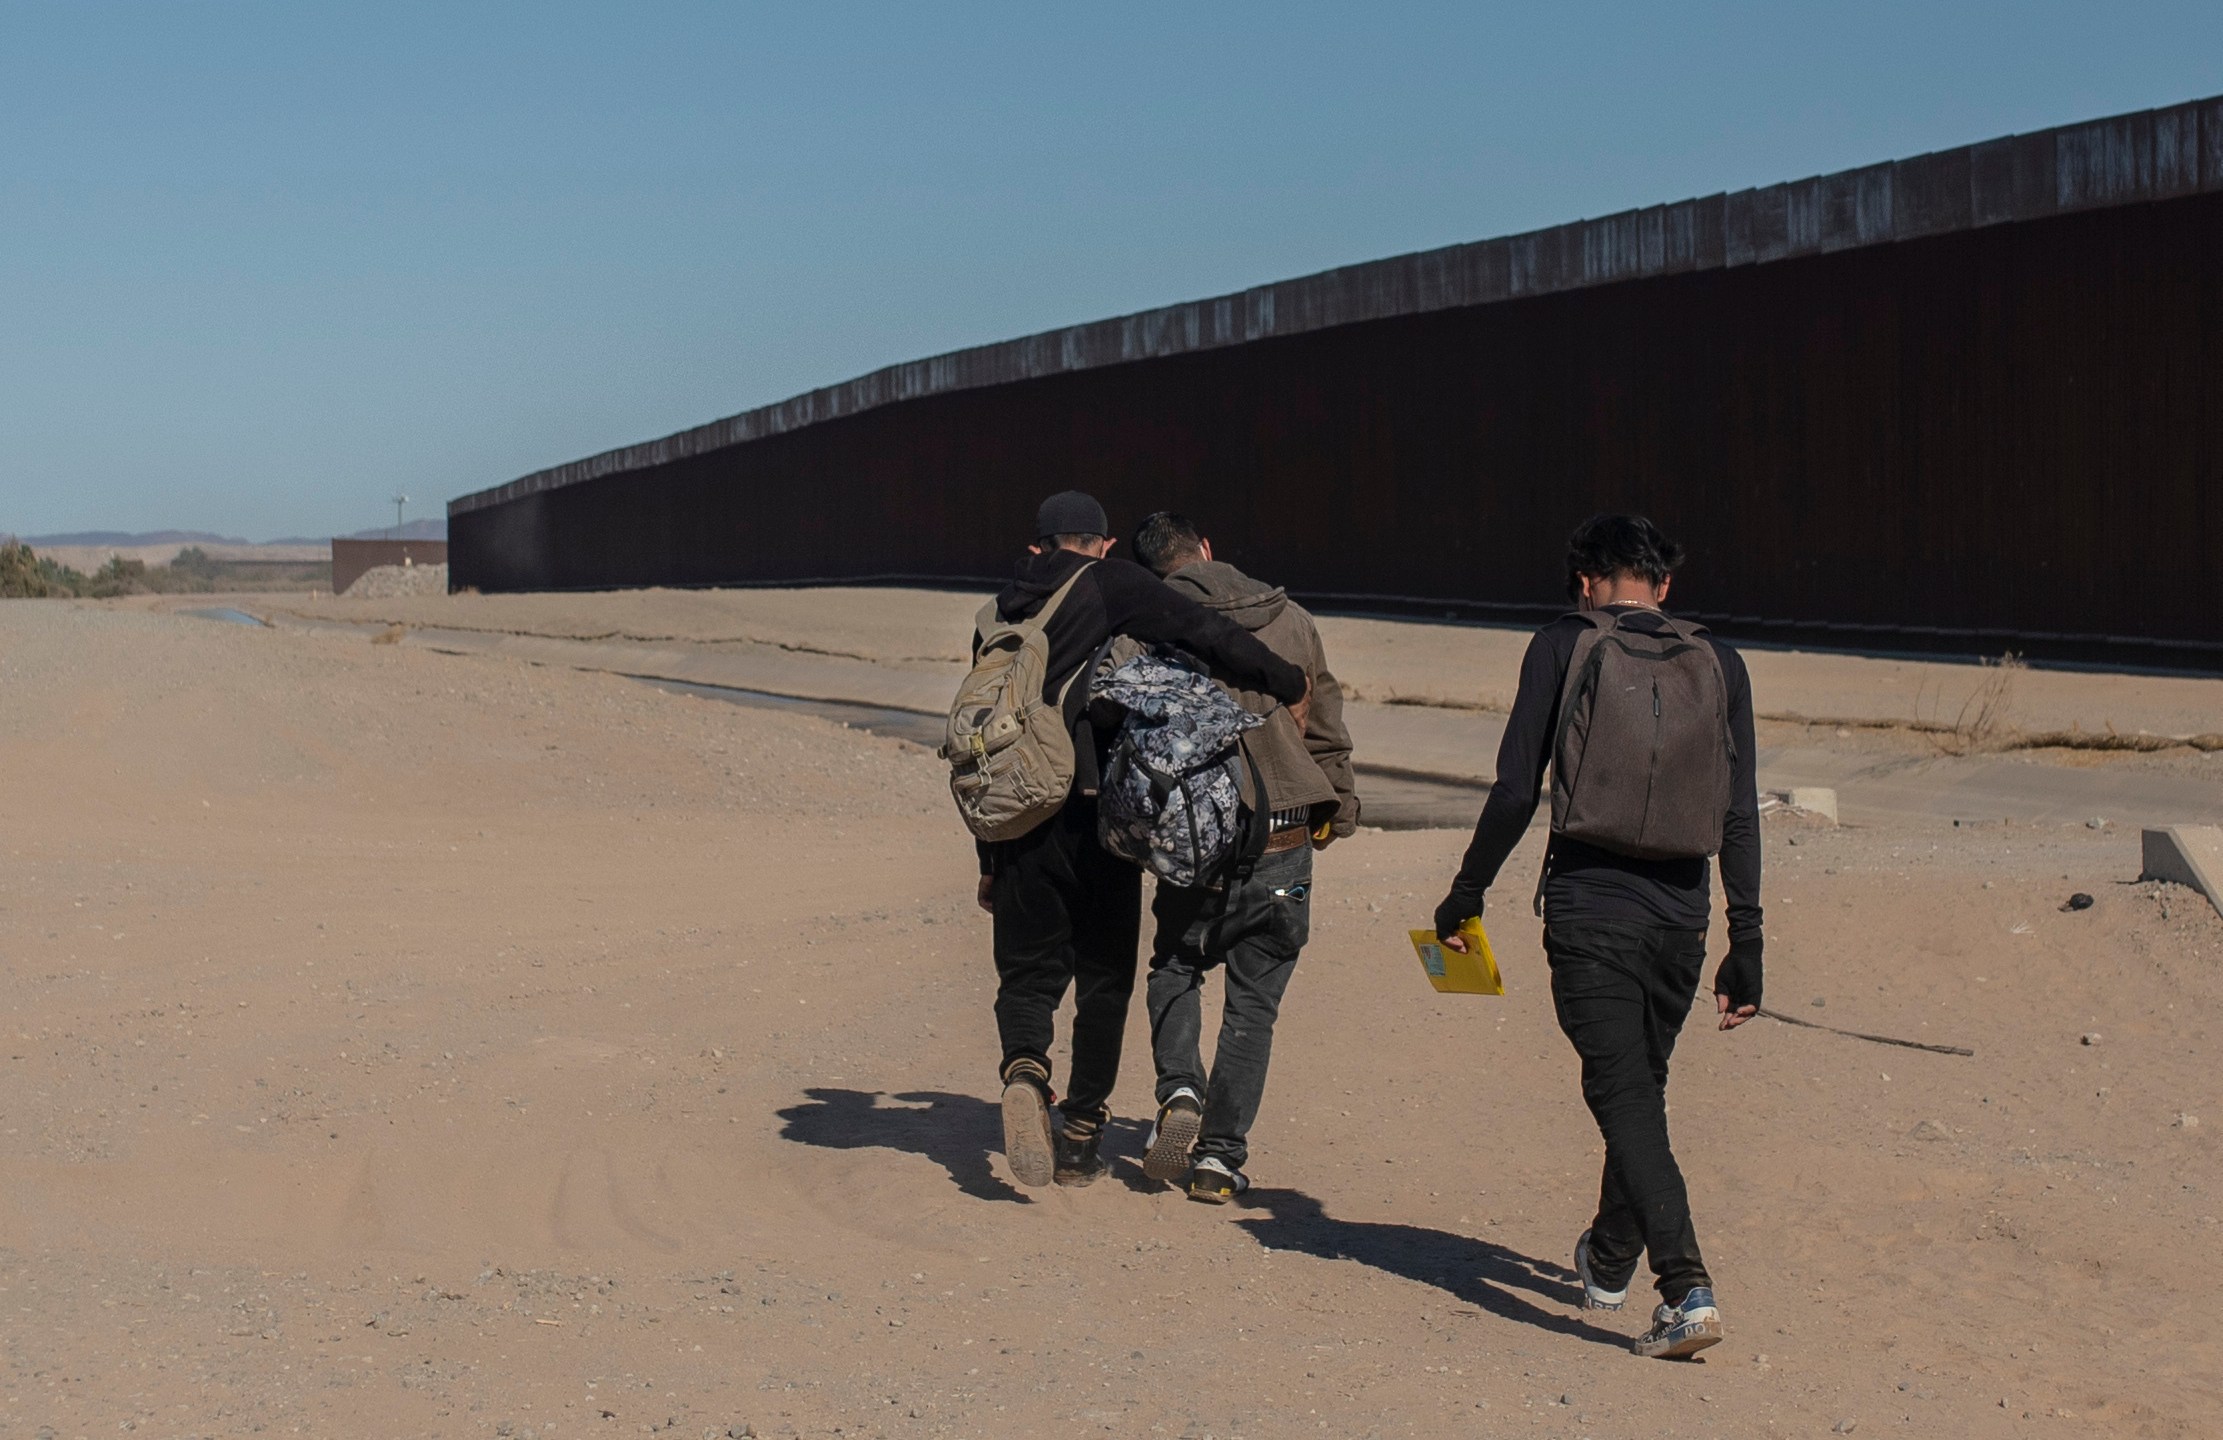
column 406, row 1044
column 1385, row 660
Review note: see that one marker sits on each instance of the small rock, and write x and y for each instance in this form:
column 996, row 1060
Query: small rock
column 2092, row 1038
column 1930, row 1130
column 2095, row 823
column 2187, row 1122
column 1845, row 1426
column 2078, row 901
column 1794, row 840
column 1818, row 1002
column 1566, row 1399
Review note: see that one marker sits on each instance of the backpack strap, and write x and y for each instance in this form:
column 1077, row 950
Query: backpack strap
column 1602, row 623
column 1259, row 822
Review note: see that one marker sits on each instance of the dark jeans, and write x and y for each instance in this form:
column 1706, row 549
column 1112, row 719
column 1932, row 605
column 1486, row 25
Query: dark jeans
column 1623, row 990
column 1253, row 929
column 1066, row 914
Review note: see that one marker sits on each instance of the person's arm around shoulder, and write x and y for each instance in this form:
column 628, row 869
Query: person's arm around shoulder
column 1328, row 741
column 1737, row 981
column 1138, row 603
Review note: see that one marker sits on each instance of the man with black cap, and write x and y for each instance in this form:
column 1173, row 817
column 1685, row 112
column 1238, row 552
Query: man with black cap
column 1067, row 913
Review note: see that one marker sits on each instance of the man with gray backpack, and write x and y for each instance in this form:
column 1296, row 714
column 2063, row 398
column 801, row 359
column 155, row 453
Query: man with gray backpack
column 1646, row 724
column 1025, row 759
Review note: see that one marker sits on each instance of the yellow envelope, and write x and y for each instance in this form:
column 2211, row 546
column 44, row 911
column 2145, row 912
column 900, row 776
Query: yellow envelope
column 1474, row 973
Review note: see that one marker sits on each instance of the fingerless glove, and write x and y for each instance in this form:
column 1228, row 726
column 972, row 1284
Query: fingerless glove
column 1739, row 974
column 1457, row 909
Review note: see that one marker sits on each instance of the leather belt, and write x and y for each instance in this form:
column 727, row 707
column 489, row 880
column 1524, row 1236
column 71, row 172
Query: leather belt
column 1288, row 839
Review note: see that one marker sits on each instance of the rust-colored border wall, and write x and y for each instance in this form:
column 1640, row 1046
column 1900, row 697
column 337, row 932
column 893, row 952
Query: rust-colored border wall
column 350, row 558
column 2006, row 437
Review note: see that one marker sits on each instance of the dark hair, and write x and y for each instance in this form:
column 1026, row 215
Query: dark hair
column 1604, row 547
column 1071, row 540
column 1165, row 542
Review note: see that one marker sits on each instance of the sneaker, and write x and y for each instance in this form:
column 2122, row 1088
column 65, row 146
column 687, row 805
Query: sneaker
column 1027, row 1144
column 1680, row 1331
column 1214, row 1182
column 1080, row 1142
column 1080, row 1162
column 1594, row 1295
column 1167, row 1156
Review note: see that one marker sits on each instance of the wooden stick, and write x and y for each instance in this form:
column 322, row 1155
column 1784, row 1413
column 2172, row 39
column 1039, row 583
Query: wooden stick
column 1875, row 1039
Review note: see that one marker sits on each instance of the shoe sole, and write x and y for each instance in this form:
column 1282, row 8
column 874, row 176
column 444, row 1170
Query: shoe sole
column 1692, row 1338
column 1026, row 1135
column 1212, row 1197
column 1167, row 1158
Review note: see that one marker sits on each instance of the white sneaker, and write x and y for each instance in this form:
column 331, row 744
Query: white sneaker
column 1594, row 1295
column 1680, row 1331
column 1215, row 1182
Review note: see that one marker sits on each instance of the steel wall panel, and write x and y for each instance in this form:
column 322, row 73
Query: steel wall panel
column 2009, row 436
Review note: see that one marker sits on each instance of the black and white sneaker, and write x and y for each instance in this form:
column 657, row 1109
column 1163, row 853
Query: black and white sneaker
column 1214, row 1182
column 1027, row 1143
column 1681, row 1331
column 1179, row 1119
column 1594, row 1295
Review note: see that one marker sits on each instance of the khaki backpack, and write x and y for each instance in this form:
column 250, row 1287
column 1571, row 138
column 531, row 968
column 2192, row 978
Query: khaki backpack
column 1641, row 763
column 1010, row 751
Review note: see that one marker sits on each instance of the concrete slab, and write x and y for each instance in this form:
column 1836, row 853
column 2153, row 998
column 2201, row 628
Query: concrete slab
column 2186, row 855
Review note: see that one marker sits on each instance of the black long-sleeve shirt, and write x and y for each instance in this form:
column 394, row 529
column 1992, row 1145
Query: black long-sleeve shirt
column 1587, row 882
column 1119, row 597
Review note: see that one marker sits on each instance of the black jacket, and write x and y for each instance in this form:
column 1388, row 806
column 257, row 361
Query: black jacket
column 1119, row 597
column 1588, row 883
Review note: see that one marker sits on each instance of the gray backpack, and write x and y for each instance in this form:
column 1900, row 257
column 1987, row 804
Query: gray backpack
column 1641, row 762
column 1010, row 751
column 1172, row 797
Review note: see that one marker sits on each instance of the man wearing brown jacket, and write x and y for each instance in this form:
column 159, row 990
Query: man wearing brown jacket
column 1251, row 926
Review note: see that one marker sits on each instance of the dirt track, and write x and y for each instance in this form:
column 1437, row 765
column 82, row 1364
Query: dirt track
column 405, row 1044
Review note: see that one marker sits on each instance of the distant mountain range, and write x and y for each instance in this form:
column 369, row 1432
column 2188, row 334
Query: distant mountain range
column 121, row 539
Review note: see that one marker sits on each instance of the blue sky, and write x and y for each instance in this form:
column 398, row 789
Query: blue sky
column 263, row 264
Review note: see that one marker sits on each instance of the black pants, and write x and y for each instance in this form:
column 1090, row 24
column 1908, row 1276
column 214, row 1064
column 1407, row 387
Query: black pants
column 1253, row 930
column 1066, row 914
column 1623, row 990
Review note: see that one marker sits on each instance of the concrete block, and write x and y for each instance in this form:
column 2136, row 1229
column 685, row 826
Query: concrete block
column 1814, row 800
column 2186, row 855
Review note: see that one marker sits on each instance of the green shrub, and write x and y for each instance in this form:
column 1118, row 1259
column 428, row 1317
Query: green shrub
column 23, row 575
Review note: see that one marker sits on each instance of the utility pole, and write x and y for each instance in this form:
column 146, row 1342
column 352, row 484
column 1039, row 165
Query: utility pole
column 399, row 501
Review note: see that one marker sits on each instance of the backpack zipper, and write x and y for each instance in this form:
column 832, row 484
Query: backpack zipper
column 1652, row 772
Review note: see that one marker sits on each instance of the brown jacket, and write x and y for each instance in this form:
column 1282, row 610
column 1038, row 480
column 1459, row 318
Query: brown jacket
column 1312, row 769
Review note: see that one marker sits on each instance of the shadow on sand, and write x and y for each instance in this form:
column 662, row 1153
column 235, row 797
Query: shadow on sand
column 960, row 1133
column 1476, row 1272
column 957, row 1132
column 963, row 1134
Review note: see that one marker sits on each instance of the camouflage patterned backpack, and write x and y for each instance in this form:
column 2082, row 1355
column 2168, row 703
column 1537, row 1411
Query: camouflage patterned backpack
column 1172, row 798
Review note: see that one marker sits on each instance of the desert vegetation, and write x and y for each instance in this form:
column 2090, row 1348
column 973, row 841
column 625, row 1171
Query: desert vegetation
column 24, row 574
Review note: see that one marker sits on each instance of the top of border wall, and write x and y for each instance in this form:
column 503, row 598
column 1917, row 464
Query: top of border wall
column 2125, row 160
